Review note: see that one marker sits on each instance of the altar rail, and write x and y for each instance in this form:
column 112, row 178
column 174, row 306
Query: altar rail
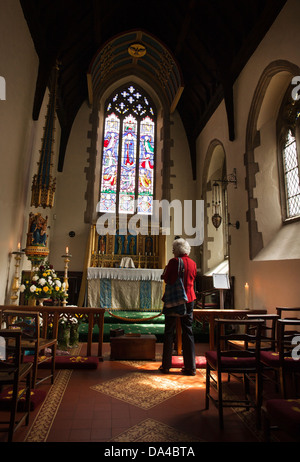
column 51, row 315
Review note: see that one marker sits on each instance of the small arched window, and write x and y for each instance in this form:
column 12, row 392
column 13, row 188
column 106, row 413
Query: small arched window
column 128, row 157
column 289, row 156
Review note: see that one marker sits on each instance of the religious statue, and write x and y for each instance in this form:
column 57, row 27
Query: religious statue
column 120, row 244
column 102, row 245
column 37, row 230
column 36, row 246
column 148, row 245
column 131, row 246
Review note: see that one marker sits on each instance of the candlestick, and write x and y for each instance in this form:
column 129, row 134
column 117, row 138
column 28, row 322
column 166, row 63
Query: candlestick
column 247, row 295
column 15, row 285
column 66, row 280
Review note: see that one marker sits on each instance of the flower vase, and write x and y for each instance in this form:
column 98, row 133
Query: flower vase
column 63, row 336
column 74, row 335
column 41, row 301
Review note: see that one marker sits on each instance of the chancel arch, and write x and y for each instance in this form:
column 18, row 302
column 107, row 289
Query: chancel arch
column 117, row 68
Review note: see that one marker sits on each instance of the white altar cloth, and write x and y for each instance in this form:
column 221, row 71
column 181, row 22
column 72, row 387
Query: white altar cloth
column 125, row 274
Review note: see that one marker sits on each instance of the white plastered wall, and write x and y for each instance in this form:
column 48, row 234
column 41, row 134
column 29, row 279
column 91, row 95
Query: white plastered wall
column 19, row 64
column 273, row 281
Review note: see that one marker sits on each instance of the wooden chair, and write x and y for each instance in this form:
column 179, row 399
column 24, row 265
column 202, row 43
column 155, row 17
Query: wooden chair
column 12, row 374
column 243, row 361
column 31, row 341
column 284, row 361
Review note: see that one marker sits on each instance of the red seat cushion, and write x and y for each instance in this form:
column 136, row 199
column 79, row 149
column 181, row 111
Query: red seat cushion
column 36, row 397
column 230, row 362
column 271, row 359
column 177, row 362
column 285, row 413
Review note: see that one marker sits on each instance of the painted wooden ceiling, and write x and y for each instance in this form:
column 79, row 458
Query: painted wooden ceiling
column 208, row 42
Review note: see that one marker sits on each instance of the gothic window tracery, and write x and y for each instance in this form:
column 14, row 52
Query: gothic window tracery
column 128, row 157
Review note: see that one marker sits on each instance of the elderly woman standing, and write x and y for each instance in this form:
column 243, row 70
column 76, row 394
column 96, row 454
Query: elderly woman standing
column 181, row 248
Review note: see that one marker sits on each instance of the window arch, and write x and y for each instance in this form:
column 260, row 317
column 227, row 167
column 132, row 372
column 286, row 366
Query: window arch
column 289, row 157
column 128, row 156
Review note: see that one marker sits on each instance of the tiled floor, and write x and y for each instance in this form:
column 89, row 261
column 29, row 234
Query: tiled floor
column 94, row 406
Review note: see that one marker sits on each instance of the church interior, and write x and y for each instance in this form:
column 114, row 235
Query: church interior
column 121, row 130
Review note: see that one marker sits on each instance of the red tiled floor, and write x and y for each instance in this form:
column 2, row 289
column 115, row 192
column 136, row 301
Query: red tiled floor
column 86, row 415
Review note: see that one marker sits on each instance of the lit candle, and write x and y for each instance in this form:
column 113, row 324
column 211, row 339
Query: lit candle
column 19, row 246
column 67, row 250
column 246, row 295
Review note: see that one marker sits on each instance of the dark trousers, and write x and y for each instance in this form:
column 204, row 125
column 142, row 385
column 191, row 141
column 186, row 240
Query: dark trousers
column 188, row 345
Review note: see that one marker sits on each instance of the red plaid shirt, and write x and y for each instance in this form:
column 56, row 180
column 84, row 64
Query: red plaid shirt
column 190, row 272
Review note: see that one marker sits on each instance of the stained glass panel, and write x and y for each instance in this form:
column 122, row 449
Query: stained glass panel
column 291, row 171
column 110, row 164
column 146, row 166
column 129, row 125
column 128, row 165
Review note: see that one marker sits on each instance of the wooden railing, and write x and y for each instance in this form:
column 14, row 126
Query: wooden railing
column 52, row 314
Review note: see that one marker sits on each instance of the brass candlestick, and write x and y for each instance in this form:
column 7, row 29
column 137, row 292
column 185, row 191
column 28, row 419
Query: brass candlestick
column 16, row 284
column 66, row 257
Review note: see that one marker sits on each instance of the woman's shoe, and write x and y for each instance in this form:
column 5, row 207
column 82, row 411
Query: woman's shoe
column 163, row 370
column 188, row 371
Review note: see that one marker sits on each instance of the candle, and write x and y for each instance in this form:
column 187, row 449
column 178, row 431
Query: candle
column 19, row 246
column 246, row 295
column 67, row 250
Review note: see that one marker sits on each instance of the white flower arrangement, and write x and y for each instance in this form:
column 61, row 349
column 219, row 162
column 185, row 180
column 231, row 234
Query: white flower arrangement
column 44, row 284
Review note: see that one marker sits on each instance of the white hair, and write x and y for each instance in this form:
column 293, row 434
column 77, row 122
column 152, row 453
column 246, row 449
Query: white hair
column 181, row 247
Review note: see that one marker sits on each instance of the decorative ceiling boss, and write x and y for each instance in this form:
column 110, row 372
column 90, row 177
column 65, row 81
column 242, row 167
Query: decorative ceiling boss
column 137, row 50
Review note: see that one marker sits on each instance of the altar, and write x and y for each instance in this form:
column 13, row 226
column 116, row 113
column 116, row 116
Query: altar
column 132, row 289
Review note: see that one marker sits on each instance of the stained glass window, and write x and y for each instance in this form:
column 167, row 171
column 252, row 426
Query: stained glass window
column 128, row 159
column 291, row 174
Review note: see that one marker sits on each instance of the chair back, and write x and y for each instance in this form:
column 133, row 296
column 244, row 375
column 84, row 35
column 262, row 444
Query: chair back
column 289, row 312
column 268, row 330
column 26, row 321
column 247, row 331
column 10, row 352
